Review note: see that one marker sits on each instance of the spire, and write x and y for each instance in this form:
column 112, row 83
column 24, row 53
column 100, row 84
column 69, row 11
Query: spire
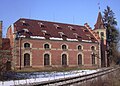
column 99, row 23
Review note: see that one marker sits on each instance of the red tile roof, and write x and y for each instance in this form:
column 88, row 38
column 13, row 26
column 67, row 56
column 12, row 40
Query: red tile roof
column 53, row 29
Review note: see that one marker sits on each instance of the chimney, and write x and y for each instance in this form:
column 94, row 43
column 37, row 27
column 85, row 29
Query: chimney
column 0, row 34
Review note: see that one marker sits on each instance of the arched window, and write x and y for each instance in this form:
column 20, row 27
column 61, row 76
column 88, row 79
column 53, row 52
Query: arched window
column 46, row 60
column 79, row 47
column 102, row 34
column 93, row 59
column 46, row 46
column 64, row 47
column 26, row 59
column 64, row 60
column 93, row 48
column 79, row 59
column 98, row 33
column 26, row 45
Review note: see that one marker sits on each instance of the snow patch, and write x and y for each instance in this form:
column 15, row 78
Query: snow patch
column 45, row 76
column 86, row 40
column 68, row 39
column 22, row 36
column 37, row 37
column 53, row 38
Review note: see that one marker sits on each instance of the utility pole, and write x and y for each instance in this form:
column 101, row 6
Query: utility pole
column 20, row 51
column 0, row 34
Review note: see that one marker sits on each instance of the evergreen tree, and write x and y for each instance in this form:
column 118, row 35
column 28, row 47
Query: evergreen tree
column 112, row 33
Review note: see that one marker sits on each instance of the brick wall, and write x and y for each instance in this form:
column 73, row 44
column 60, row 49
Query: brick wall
column 37, row 52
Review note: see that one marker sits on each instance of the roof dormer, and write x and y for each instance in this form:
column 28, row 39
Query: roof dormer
column 57, row 26
column 41, row 24
column 71, row 28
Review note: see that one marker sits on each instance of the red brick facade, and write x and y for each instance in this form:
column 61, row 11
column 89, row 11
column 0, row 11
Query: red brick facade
column 37, row 52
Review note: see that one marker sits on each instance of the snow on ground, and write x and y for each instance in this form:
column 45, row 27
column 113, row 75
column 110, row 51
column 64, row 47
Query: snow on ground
column 44, row 76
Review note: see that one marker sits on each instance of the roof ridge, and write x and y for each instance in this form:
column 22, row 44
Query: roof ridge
column 53, row 22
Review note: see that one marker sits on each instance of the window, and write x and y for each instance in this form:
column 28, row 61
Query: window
column 92, row 48
column 26, row 45
column 102, row 34
column 92, row 38
column 61, row 33
column 25, row 30
column 85, row 30
column 79, row 47
column 46, row 60
column 98, row 33
column 46, row 46
column 25, row 24
column 26, row 59
column 44, row 31
column 23, row 21
column 64, row 47
column 57, row 26
column 79, row 59
column 71, row 28
column 64, row 60
column 41, row 24
column 75, row 34
column 47, row 34
column 93, row 59
column 79, row 37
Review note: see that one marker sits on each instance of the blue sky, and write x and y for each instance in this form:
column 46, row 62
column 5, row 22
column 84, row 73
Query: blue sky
column 64, row 11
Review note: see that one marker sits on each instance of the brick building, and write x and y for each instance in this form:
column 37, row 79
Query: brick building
column 41, row 44
column 5, row 49
column 5, row 52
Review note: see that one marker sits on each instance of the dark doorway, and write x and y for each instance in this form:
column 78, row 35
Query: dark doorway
column 64, row 60
column 46, row 60
column 26, row 60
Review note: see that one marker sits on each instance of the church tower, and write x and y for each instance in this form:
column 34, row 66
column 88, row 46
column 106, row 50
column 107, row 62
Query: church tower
column 101, row 31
